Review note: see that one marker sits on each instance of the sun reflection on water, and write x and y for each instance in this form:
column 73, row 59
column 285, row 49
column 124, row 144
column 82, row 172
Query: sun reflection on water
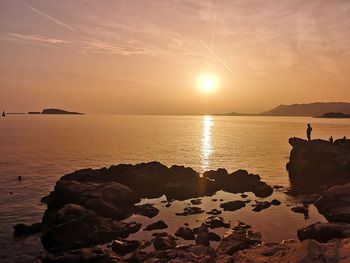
column 206, row 142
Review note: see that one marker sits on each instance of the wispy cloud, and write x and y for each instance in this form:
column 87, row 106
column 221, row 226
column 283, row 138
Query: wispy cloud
column 52, row 19
column 33, row 38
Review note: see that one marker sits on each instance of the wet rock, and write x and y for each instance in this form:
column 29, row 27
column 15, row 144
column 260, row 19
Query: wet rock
column 123, row 247
column 232, row 205
column 202, row 228
column 301, row 210
column 277, row 187
column 244, row 195
column 214, row 212
column 323, row 232
column 192, row 210
column 163, row 243
column 239, row 225
column 147, row 210
column 275, row 202
column 334, row 204
column 238, row 239
column 26, row 230
column 316, row 165
column 308, row 251
column 261, row 206
column 185, row 233
column 157, row 225
column 216, row 222
column 203, row 239
column 196, row 201
column 214, row 237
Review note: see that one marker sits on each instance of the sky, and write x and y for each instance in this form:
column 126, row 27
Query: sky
column 145, row 56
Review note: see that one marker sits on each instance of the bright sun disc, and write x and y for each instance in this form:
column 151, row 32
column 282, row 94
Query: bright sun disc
column 207, row 83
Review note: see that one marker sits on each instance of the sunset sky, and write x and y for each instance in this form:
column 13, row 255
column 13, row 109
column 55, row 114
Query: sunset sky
column 134, row 56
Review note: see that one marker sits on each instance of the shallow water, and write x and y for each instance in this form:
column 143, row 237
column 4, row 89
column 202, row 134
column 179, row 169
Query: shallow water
column 43, row 148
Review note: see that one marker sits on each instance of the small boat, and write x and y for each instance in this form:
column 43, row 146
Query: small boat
column 3, row 114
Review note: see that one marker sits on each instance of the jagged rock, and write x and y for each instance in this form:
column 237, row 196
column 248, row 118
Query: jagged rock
column 216, row 222
column 157, row 225
column 232, row 205
column 123, row 247
column 323, row 232
column 238, row 239
column 308, row 251
column 261, row 206
column 316, row 165
column 26, row 230
column 192, row 210
column 185, row 233
column 146, row 210
column 163, row 243
column 334, row 204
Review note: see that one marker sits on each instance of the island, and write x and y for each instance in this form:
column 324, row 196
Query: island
column 56, row 111
column 334, row 115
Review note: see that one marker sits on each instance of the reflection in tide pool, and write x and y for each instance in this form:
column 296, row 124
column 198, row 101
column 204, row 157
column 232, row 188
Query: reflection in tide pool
column 206, row 142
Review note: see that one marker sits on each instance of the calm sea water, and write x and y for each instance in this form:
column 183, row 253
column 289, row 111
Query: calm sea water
column 43, row 148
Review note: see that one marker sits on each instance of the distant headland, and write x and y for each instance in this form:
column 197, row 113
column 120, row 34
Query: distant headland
column 302, row 110
column 56, row 111
column 334, row 115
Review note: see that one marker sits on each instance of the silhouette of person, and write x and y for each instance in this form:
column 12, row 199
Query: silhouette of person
column 331, row 139
column 308, row 131
column 344, row 139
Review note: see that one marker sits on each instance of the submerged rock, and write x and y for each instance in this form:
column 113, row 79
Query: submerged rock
column 157, row 225
column 261, row 206
column 192, row 210
column 232, row 205
column 185, row 233
column 316, row 165
column 146, row 210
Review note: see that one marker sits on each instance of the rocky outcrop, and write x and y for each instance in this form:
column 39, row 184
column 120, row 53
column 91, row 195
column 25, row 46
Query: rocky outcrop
column 334, row 204
column 308, row 251
column 317, row 165
column 323, row 232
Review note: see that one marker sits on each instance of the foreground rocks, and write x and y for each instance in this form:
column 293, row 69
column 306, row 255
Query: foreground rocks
column 317, row 165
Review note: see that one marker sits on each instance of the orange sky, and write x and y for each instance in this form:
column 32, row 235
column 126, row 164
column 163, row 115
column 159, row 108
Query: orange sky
column 137, row 56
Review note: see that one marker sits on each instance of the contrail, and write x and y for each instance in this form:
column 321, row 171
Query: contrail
column 218, row 59
column 56, row 21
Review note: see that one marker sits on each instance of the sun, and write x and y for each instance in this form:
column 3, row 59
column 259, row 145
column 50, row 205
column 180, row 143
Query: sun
column 207, row 82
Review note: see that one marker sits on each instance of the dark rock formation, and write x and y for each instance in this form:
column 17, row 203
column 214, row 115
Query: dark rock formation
column 157, row 225
column 123, row 247
column 214, row 212
column 192, row 210
column 26, row 230
column 261, row 206
column 323, row 232
column 146, row 210
column 275, row 202
column 163, row 243
column 334, row 204
column 185, row 233
column 59, row 111
column 334, row 115
column 232, row 205
column 316, row 165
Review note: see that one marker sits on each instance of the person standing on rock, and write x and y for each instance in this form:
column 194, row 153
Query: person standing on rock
column 308, row 131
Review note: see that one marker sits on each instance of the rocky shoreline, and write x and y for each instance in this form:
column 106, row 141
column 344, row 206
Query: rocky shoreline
column 84, row 219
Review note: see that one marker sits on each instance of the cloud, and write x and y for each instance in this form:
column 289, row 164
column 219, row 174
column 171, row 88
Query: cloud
column 52, row 19
column 34, row 38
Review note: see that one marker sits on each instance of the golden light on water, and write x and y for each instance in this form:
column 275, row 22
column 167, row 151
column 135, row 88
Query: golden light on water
column 207, row 83
column 206, row 148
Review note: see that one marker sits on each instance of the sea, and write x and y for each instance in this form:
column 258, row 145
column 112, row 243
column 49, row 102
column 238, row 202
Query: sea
column 42, row 148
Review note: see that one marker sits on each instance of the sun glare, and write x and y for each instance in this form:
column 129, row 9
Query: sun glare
column 208, row 83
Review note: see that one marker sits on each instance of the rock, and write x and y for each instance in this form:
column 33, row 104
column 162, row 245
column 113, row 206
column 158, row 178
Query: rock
column 323, row 232
column 262, row 190
column 157, row 225
column 160, row 234
column 275, row 202
column 334, row 204
column 26, row 230
column 244, row 195
column 203, row 239
column 123, row 247
column 146, row 210
column 216, row 222
column 214, row 212
column 163, row 243
column 185, row 233
column 316, row 165
column 202, row 228
column 277, row 187
column 214, row 237
column 238, row 239
column 239, row 225
column 261, row 206
column 197, row 201
column 232, row 205
column 301, row 210
column 192, row 210
column 308, row 251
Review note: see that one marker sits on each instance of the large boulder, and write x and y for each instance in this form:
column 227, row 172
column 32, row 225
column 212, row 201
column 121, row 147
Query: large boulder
column 308, row 251
column 318, row 164
column 334, row 204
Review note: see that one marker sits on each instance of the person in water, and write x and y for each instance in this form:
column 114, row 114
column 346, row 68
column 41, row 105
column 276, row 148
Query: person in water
column 331, row 139
column 308, row 131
